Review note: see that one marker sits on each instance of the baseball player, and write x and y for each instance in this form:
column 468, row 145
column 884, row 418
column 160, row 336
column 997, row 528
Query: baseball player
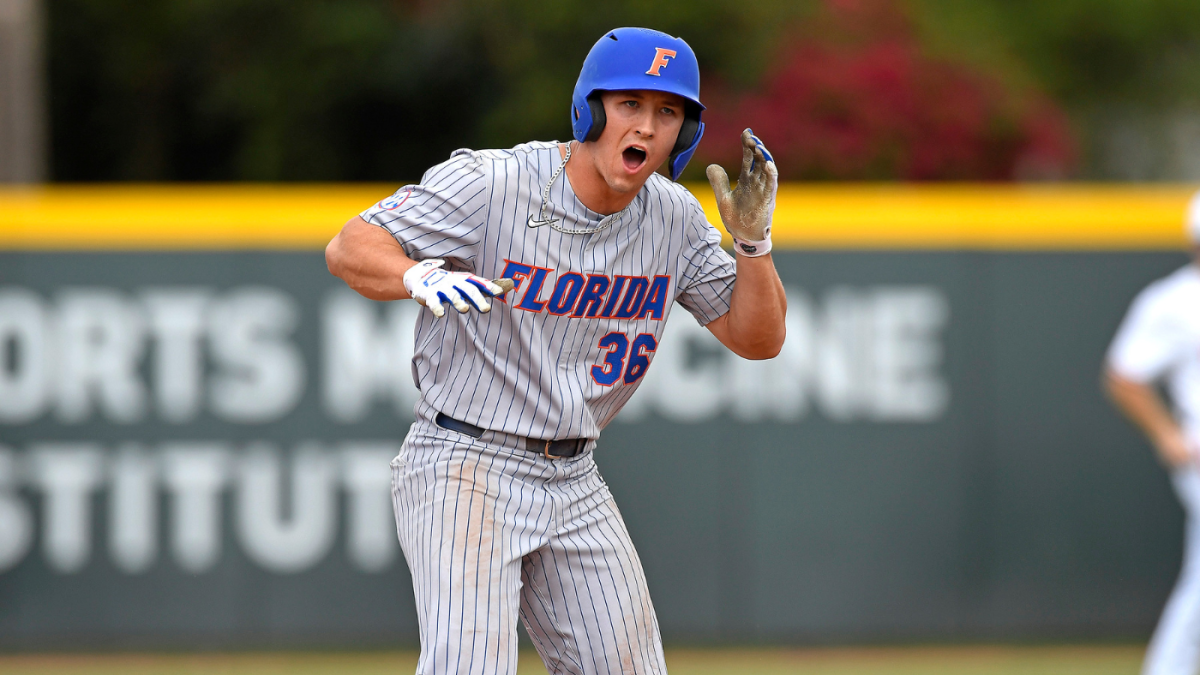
column 500, row 509
column 1160, row 340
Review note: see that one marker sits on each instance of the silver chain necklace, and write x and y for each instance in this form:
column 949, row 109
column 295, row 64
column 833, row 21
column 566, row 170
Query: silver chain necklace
column 604, row 224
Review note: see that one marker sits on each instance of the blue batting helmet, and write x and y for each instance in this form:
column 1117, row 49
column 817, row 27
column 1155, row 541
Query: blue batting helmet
column 639, row 58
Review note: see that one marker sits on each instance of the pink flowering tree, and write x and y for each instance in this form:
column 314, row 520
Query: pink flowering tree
column 853, row 96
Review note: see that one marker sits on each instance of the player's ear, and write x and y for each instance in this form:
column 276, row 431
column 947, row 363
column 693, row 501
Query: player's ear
column 596, row 106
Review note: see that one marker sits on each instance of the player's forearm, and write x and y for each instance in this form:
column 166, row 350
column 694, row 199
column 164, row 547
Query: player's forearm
column 369, row 260
column 754, row 326
column 1143, row 406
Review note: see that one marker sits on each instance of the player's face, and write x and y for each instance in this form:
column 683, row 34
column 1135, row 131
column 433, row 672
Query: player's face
column 638, row 136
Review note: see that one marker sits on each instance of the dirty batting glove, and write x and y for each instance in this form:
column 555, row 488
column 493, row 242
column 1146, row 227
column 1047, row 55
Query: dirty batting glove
column 746, row 211
column 432, row 287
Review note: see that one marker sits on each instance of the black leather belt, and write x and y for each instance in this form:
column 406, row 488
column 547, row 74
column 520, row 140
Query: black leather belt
column 563, row 447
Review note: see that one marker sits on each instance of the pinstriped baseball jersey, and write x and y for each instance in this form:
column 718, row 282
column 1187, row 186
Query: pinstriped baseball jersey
column 563, row 351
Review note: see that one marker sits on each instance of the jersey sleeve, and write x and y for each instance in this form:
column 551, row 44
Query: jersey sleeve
column 708, row 271
column 443, row 216
column 1151, row 339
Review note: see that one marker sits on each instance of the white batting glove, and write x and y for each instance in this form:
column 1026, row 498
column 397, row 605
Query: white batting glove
column 747, row 210
column 431, row 287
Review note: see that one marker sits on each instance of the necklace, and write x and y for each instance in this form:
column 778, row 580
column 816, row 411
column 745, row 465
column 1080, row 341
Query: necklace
column 604, row 223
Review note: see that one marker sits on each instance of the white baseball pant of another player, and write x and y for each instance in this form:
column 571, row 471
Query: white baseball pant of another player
column 1175, row 648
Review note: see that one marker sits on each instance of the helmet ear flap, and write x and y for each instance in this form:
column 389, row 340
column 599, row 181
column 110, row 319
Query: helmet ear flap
column 687, row 133
column 596, row 106
column 689, row 136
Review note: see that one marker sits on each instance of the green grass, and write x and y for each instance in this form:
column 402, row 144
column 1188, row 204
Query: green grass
column 1006, row 660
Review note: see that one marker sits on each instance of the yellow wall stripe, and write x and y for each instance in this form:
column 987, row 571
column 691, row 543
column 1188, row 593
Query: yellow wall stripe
column 820, row 216
column 152, row 217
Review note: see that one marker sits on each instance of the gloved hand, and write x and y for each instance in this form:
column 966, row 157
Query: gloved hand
column 431, row 287
column 747, row 210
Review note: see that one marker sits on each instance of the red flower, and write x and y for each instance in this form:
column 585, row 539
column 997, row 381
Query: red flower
column 857, row 99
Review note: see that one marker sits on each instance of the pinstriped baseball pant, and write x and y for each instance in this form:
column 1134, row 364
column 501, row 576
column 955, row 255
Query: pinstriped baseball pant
column 492, row 532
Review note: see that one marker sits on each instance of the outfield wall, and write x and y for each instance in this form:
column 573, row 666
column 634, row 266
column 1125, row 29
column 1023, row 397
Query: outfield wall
column 196, row 419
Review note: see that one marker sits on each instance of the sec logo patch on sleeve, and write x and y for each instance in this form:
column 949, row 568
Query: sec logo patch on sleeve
column 395, row 201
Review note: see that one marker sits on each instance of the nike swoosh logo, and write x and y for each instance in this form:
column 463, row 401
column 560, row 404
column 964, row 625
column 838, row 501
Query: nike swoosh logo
column 534, row 222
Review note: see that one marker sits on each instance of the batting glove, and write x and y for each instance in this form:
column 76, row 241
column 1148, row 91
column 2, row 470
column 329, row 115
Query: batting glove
column 432, row 287
column 747, row 210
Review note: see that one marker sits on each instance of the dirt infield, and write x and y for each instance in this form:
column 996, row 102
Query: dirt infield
column 977, row 660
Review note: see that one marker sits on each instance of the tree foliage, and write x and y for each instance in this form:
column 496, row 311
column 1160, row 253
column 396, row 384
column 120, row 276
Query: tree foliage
column 852, row 95
column 381, row 89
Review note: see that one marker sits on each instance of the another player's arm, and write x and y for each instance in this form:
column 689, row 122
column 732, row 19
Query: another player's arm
column 1142, row 404
column 753, row 328
column 370, row 260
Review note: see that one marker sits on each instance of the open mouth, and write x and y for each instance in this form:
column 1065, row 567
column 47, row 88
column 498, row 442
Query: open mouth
column 633, row 158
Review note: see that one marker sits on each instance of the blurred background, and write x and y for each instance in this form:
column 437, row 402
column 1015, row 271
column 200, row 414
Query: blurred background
column 196, row 419
column 267, row 90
